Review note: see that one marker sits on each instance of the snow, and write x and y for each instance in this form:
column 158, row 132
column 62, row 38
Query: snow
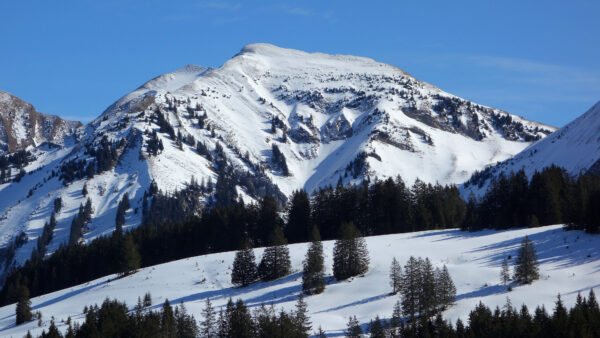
column 311, row 92
column 575, row 147
column 569, row 264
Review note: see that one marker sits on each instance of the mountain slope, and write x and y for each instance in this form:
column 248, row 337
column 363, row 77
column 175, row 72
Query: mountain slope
column 269, row 121
column 569, row 264
column 22, row 126
column 575, row 147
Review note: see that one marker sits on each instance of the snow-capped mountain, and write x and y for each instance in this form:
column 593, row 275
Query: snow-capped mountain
column 574, row 147
column 22, row 126
column 273, row 120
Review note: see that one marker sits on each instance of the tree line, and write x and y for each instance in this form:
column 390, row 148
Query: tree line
column 552, row 196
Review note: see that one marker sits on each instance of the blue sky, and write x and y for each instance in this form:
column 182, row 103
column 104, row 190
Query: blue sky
column 538, row 59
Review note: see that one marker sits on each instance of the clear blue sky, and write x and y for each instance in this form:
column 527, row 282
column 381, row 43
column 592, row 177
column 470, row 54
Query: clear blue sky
column 538, row 59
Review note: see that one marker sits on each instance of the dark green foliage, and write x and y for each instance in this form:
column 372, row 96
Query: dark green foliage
column 154, row 145
column 83, row 217
column 376, row 328
column 121, row 210
column 129, row 257
column 425, row 291
column 275, row 262
column 208, row 327
column 526, row 268
column 46, row 237
column 301, row 319
column 395, row 276
column 550, row 197
column 279, row 160
column 244, row 270
column 350, row 254
column 23, row 309
column 313, row 274
column 57, row 204
column 353, row 329
column 299, row 225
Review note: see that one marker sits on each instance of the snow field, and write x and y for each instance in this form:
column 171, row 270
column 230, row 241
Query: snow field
column 569, row 263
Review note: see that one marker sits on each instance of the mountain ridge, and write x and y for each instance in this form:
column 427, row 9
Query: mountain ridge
column 268, row 122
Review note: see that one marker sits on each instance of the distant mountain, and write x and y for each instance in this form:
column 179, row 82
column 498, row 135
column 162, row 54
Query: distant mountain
column 269, row 121
column 22, row 126
column 575, row 147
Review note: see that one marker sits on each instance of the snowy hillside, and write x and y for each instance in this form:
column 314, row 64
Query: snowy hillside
column 273, row 120
column 575, row 147
column 22, row 126
column 569, row 264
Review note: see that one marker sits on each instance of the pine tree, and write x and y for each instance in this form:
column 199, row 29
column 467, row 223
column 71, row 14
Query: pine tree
column 427, row 297
column 84, row 191
column 207, row 326
column 129, row 257
column 167, row 321
column 147, row 300
column 244, row 271
column 376, row 328
column 446, row 291
column 396, row 320
column 395, row 276
column 411, row 288
column 23, row 309
column 350, row 254
column 320, row 333
column 526, row 269
column 313, row 279
column 504, row 272
column 301, row 318
column 353, row 329
column 275, row 262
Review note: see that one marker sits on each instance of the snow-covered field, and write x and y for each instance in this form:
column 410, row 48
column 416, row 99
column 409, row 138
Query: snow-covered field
column 570, row 263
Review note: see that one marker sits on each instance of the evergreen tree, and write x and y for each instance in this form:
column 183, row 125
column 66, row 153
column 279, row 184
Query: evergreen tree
column 275, row 262
column 244, row 271
column 376, row 328
column 84, row 191
column 185, row 324
column 427, row 296
column 207, row 326
column 395, row 276
column 121, row 210
column 445, row 289
column 240, row 323
column 23, row 309
column 526, row 268
column 353, row 329
column 320, row 333
column 301, row 319
column 350, row 254
column 411, row 288
column 147, row 300
column 504, row 272
column 299, row 226
column 168, row 327
column 129, row 257
column 313, row 279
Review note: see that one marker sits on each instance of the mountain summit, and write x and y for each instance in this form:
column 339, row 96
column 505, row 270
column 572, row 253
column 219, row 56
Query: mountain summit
column 267, row 122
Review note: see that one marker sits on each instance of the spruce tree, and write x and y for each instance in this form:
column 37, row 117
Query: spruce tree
column 129, row 257
column 275, row 262
column 526, row 268
column 376, row 328
column 313, row 279
column 23, row 309
column 167, row 321
column 504, row 272
column 243, row 272
column 353, row 329
column 427, row 297
column 301, row 318
column 207, row 326
column 446, row 291
column 395, row 276
column 411, row 288
column 350, row 254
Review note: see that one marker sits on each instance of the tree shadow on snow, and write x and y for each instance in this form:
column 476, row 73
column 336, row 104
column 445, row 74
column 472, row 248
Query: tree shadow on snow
column 563, row 248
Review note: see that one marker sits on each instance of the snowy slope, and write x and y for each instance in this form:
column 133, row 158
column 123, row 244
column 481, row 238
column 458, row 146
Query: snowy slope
column 22, row 126
column 569, row 264
column 575, row 147
column 340, row 117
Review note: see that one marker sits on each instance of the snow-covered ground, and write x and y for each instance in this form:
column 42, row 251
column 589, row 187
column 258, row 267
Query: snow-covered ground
column 570, row 263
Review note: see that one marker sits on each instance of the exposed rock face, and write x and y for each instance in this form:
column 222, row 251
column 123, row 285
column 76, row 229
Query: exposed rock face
column 22, row 126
